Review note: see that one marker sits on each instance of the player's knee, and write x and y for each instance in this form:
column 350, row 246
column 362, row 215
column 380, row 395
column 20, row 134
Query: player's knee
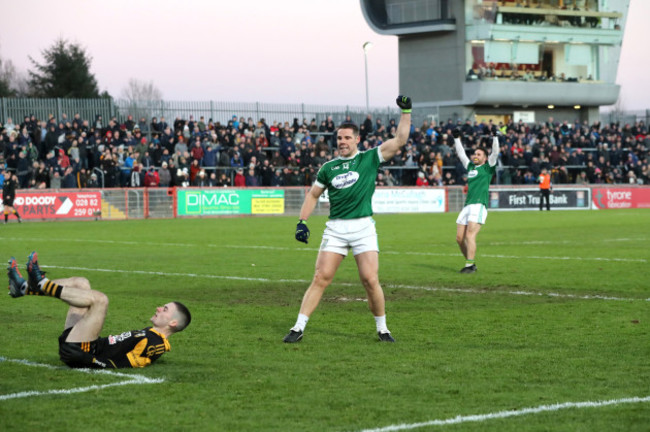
column 100, row 299
column 322, row 279
column 370, row 283
column 74, row 282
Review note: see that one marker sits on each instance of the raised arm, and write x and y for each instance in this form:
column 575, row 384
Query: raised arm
column 458, row 146
column 391, row 146
column 494, row 156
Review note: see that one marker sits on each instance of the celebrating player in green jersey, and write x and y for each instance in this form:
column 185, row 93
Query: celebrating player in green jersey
column 480, row 171
column 350, row 183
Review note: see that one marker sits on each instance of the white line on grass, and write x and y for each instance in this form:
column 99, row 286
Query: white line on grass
column 130, row 379
column 509, row 413
column 305, row 281
column 535, row 257
column 220, row 246
column 552, row 242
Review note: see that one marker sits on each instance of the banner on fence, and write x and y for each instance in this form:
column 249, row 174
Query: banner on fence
column 405, row 200
column 58, row 205
column 616, row 198
column 409, row 201
column 528, row 199
column 206, row 202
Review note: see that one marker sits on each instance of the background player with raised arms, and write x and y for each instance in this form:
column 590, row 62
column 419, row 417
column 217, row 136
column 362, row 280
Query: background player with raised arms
column 473, row 215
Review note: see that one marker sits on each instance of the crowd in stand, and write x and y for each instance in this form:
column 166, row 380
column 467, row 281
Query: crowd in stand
column 81, row 153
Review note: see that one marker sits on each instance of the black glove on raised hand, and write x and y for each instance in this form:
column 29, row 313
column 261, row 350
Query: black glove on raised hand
column 404, row 102
column 494, row 131
column 455, row 133
column 302, row 232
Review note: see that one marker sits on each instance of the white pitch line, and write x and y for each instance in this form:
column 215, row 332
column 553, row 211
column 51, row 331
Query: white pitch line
column 517, row 293
column 386, row 252
column 535, row 257
column 397, row 286
column 510, row 413
column 552, row 242
column 192, row 275
column 130, row 379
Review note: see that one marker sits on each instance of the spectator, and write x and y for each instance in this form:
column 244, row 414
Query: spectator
column 164, row 176
column 41, row 177
column 240, row 180
column 182, row 177
column 197, row 152
column 251, row 179
column 69, row 181
column 180, row 147
column 209, row 161
column 236, row 160
column 93, row 182
column 421, row 180
column 136, row 179
column 82, row 178
column 223, row 180
column 201, row 180
column 151, row 178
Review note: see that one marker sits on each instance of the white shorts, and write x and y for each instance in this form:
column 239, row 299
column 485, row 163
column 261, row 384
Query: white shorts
column 472, row 213
column 341, row 235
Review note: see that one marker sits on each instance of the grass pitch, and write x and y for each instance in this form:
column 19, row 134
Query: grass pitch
column 557, row 314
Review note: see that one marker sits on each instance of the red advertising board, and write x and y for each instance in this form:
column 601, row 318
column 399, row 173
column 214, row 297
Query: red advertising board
column 58, row 205
column 620, row 198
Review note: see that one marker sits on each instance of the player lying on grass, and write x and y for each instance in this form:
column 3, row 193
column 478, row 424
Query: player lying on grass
column 80, row 345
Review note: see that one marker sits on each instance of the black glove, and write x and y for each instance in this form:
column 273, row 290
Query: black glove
column 404, row 102
column 494, row 131
column 302, row 232
column 455, row 133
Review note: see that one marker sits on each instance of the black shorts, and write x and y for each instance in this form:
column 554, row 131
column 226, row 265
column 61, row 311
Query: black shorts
column 90, row 347
column 8, row 202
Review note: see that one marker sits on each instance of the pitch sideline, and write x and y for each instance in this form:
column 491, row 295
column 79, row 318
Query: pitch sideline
column 130, row 379
column 510, row 413
column 387, row 285
column 386, row 252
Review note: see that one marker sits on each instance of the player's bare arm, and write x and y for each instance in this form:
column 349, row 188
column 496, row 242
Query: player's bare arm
column 391, row 146
column 311, row 199
column 308, row 205
column 494, row 155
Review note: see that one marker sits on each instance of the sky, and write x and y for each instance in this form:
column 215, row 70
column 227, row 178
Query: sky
column 283, row 51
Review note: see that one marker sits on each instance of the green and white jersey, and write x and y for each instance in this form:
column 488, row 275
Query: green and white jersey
column 478, row 178
column 350, row 184
column 478, row 183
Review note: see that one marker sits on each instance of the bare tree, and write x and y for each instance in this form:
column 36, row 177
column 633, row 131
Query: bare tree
column 12, row 82
column 143, row 98
column 140, row 91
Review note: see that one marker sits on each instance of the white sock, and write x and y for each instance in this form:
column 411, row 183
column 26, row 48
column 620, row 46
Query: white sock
column 381, row 324
column 301, row 322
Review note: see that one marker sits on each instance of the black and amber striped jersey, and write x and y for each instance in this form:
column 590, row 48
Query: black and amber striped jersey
column 131, row 349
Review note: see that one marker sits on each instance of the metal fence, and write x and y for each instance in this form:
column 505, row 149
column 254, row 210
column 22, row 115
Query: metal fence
column 222, row 111
column 626, row 117
column 158, row 203
column 218, row 111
